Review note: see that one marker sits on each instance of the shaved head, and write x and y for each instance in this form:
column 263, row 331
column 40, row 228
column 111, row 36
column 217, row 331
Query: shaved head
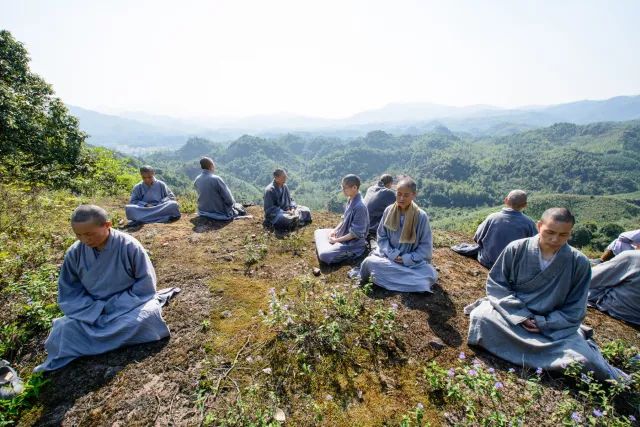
column 90, row 213
column 206, row 163
column 516, row 199
column 558, row 215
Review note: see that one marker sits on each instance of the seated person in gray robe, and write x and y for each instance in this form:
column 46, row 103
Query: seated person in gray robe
column 280, row 211
column 215, row 200
column 348, row 240
column 402, row 260
column 536, row 300
column 502, row 228
column 151, row 200
column 107, row 292
column 627, row 241
column 615, row 287
column 377, row 198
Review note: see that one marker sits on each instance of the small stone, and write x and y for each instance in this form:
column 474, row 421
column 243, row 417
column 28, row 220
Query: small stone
column 437, row 344
column 279, row 415
column 253, row 236
column 475, row 273
column 111, row 372
column 267, row 371
column 228, row 258
column 165, row 244
column 438, row 269
column 225, row 314
column 316, row 271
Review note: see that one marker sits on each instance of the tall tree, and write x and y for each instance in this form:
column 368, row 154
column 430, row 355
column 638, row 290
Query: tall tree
column 36, row 130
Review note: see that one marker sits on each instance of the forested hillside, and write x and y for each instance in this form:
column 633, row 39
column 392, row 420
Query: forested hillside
column 452, row 170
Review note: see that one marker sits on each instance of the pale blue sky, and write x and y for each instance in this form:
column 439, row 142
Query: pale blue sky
column 327, row 58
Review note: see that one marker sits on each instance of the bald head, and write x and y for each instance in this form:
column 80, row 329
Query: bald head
column 89, row 214
column 207, row 163
column 562, row 215
column 516, row 199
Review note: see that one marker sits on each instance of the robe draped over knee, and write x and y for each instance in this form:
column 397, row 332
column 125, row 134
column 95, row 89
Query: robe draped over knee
column 356, row 222
column 498, row 230
column 278, row 203
column 415, row 274
column 615, row 287
column 162, row 203
column 377, row 198
column 518, row 289
column 215, row 200
column 624, row 242
column 108, row 299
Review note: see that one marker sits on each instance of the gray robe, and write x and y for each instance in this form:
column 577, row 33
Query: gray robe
column 162, row 203
column 518, row 289
column 624, row 241
column 356, row 222
column 415, row 274
column 108, row 299
column 615, row 287
column 377, row 198
column 498, row 230
column 215, row 200
column 277, row 203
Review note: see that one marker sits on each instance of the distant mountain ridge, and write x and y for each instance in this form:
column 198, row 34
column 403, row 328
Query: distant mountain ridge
column 139, row 131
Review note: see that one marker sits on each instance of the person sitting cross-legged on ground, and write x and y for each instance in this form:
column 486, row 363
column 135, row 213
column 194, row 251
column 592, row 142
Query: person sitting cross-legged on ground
column 280, row 211
column 377, row 198
column 107, row 292
column 402, row 260
column 536, row 300
column 215, row 200
column 615, row 287
column 348, row 240
column 151, row 200
column 501, row 228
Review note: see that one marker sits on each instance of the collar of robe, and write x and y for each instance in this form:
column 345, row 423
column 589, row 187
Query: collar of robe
column 392, row 222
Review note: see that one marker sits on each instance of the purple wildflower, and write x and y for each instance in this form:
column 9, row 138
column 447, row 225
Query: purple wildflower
column 462, row 356
column 597, row 413
column 394, row 306
column 632, row 418
column 511, row 370
column 576, row 417
column 492, row 371
column 451, row 373
column 498, row 385
column 539, row 371
column 472, row 372
column 420, row 406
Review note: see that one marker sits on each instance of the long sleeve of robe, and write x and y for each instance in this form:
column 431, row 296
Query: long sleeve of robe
column 377, row 199
column 625, row 242
column 517, row 289
column 215, row 200
column 498, row 230
column 415, row 274
column 615, row 287
column 356, row 223
column 108, row 299
column 154, row 203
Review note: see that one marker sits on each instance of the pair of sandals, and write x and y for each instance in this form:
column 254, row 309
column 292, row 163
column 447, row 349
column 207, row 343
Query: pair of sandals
column 10, row 383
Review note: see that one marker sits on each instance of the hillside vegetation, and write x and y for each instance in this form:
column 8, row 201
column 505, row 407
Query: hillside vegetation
column 259, row 338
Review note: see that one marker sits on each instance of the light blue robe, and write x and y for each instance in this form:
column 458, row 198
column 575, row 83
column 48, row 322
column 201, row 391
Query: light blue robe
column 615, row 287
column 215, row 200
column 377, row 198
column 415, row 274
column 498, row 230
column 356, row 222
column 109, row 300
column 624, row 242
column 556, row 297
column 162, row 203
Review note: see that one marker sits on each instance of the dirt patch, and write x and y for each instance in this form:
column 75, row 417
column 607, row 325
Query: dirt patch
column 215, row 320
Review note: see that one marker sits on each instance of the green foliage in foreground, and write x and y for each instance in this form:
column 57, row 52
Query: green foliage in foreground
column 475, row 394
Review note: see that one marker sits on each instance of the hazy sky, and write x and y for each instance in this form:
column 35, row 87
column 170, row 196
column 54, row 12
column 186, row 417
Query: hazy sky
column 327, row 58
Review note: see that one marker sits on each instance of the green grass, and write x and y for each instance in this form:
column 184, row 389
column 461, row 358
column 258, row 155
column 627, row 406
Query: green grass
column 598, row 209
